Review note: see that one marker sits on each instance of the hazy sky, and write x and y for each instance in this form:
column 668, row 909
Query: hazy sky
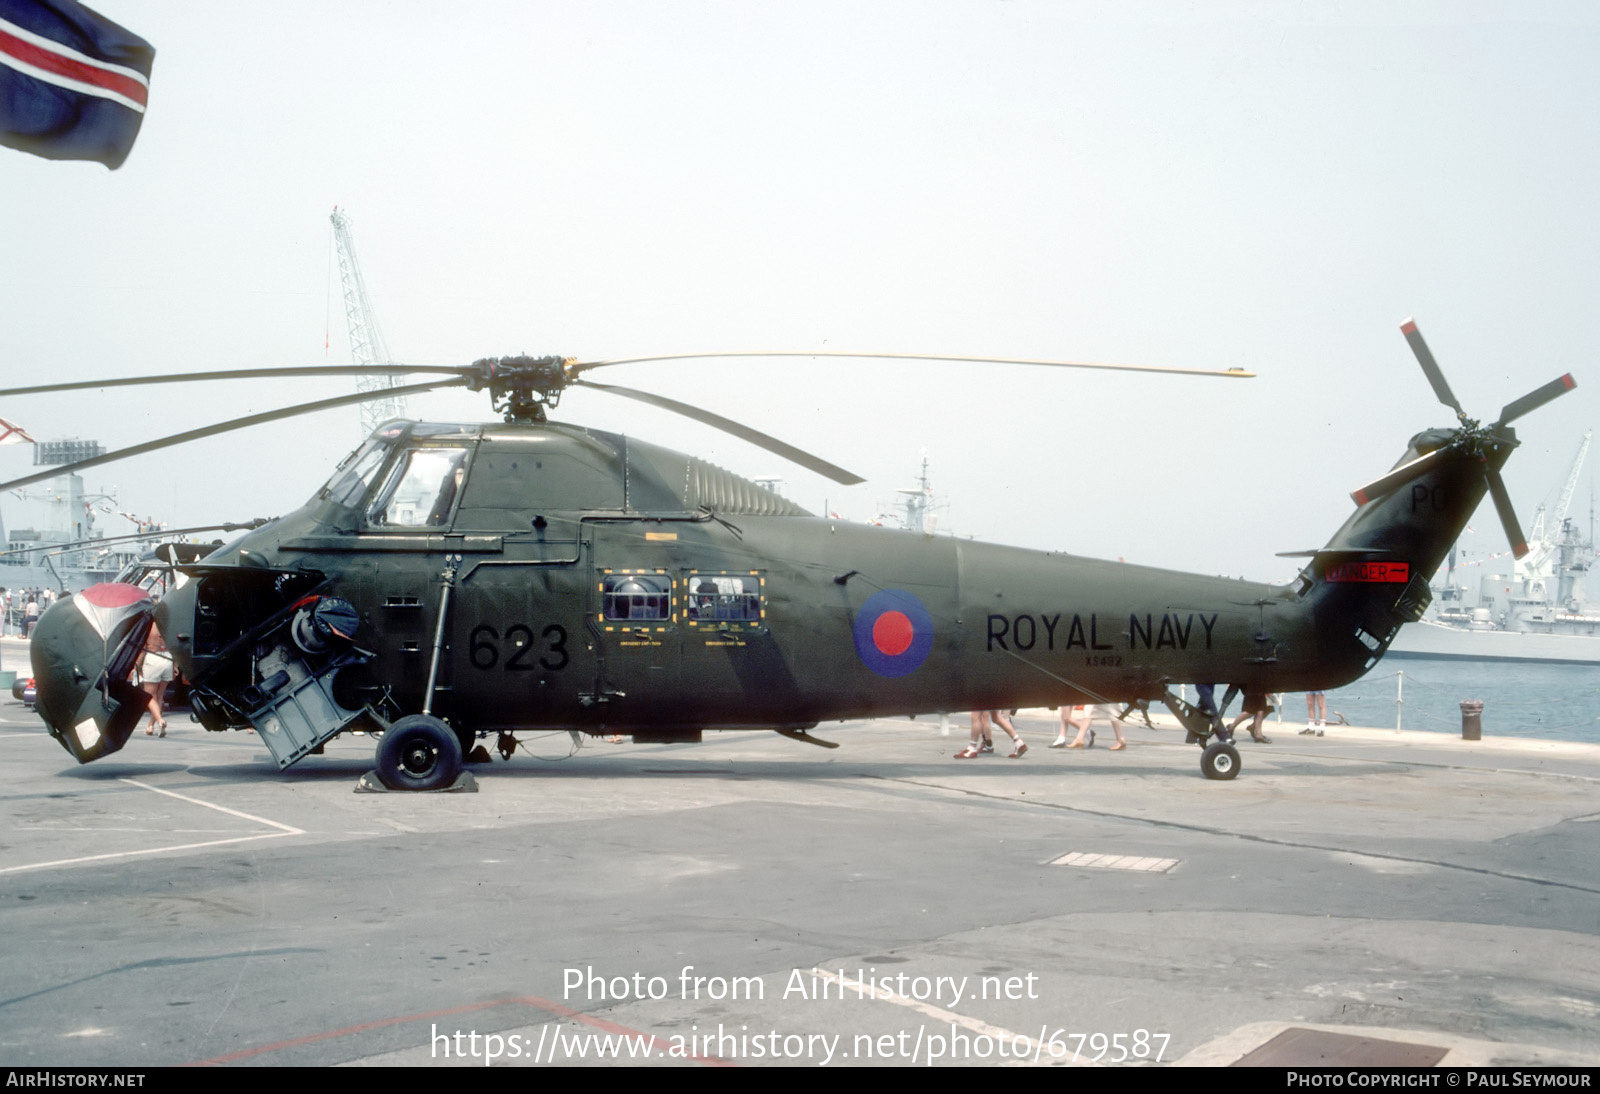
column 1271, row 186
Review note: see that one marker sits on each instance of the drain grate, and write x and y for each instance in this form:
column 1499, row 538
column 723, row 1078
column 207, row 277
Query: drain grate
column 1136, row 863
column 1319, row 1048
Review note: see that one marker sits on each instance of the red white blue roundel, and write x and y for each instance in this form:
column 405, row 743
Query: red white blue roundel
column 893, row 632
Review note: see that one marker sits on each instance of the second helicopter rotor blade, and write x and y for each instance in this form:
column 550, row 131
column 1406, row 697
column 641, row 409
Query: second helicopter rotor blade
column 1536, row 398
column 1430, row 367
column 64, row 548
column 1232, row 373
column 1397, row 478
column 235, row 423
column 1508, row 515
column 737, row 429
column 241, row 374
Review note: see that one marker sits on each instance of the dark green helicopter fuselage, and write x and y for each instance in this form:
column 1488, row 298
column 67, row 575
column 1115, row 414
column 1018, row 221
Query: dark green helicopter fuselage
column 600, row 583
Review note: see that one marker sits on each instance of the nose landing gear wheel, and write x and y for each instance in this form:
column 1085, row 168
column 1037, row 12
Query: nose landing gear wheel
column 419, row 752
column 1220, row 760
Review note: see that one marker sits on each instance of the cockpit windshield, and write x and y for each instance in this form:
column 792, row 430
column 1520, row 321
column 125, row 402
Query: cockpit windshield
column 350, row 481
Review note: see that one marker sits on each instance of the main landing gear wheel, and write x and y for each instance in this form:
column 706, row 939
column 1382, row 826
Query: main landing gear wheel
column 1220, row 760
column 466, row 737
column 419, row 752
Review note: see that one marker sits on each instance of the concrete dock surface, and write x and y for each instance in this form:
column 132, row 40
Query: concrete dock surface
column 1352, row 898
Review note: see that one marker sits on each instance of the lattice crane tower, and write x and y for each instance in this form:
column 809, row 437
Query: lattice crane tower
column 366, row 342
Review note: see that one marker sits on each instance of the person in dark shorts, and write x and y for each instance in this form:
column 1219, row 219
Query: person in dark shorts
column 1256, row 708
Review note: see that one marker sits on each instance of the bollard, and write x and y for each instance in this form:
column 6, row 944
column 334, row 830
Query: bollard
column 1472, row 719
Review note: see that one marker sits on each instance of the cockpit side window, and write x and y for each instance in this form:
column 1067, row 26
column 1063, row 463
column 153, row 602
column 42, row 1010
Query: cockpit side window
column 421, row 490
column 349, row 483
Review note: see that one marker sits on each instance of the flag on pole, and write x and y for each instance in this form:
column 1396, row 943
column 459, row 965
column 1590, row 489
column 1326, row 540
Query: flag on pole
column 73, row 84
column 11, row 433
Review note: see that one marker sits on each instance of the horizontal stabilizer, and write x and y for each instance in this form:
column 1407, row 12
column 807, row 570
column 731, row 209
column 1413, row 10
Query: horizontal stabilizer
column 1335, row 551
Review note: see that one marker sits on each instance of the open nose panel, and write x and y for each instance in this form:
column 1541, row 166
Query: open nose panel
column 84, row 651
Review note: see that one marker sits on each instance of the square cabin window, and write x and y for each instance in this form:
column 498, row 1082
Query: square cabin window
column 633, row 597
column 718, row 598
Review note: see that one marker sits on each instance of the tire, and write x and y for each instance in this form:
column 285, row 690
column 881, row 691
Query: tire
column 419, row 752
column 1220, row 760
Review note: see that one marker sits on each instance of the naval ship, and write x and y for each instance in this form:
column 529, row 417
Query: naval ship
column 62, row 553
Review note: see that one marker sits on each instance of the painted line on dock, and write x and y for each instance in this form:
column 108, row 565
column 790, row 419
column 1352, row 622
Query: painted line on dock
column 283, row 830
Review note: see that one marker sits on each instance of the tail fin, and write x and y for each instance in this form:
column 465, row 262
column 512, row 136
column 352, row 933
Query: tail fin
column 1373, row 574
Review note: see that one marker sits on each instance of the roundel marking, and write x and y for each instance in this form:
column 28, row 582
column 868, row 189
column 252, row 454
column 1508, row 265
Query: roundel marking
column 893, row 633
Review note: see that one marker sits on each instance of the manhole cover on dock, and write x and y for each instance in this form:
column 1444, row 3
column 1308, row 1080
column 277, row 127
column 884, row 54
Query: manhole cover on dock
column 1320, row 1048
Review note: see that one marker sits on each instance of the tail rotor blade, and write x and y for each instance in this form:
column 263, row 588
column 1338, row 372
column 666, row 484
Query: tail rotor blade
column 1508, row 515
column 1430, row 367
column 1536, row 398
column 1397, row 478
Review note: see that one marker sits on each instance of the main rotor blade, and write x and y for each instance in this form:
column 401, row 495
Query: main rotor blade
column 245, row 374
column 1235, row 373
column 229, row 426
column 727, row 425
column 1536, row 398
column 63, row 548
column 1430, row 367
column 1508, row 515
column 1397, row 478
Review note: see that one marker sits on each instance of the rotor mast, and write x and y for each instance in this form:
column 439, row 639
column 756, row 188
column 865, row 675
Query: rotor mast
column 366, row 341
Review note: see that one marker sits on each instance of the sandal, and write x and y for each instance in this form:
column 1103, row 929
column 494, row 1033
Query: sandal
column 1118, row 747
column 1262, row 740
column 969, row 753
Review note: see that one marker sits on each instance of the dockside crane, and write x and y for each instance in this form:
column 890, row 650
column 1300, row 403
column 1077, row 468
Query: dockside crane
column 366, row 341
column 1544, row 539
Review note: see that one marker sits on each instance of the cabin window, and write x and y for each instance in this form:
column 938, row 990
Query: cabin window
column 723, row 600
column 421, row 490
column 633, row 596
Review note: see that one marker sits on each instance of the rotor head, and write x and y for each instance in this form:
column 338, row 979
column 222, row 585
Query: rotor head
column 521, row 387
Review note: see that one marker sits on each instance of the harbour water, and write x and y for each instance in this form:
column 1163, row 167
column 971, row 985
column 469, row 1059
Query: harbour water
column 1553, row 702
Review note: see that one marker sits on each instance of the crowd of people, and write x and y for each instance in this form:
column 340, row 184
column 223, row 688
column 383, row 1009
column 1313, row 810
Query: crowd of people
column 22, row 609
column 1077, row 723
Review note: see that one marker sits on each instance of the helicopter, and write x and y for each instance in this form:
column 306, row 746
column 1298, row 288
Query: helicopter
column 456, row 581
